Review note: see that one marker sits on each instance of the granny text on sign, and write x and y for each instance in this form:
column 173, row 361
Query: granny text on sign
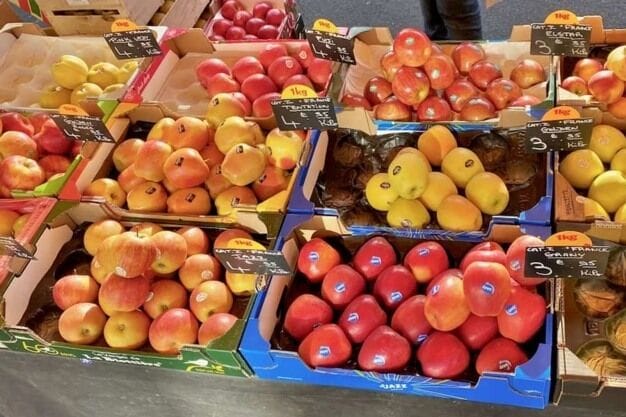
column 558, row 135
column 567, row 40
column 87, row 128
column 587, row 262
column 305, row 113
column 331, row 46
column 133, row 44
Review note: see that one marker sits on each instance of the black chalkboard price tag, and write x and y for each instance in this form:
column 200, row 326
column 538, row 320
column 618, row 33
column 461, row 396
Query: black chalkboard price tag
column 331, row 46
column 133, row 44
column 558, row 135
column 87, row 128
column 586, row 262
column 305, row 113
column 11, row 247
column 252, row 261
column 566, row 40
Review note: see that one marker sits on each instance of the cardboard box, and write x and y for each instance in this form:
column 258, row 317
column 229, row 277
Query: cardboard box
column 285, row 29
column 37, row 210
column 27, row 298
column 173, row 85
column 537, row 197
column 528, row 386
column 265, row 218
column 29, row 10
column 82, row 169
column 370, row 45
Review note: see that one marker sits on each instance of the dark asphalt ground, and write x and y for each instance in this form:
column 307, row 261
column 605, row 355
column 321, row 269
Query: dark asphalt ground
column 497, row 20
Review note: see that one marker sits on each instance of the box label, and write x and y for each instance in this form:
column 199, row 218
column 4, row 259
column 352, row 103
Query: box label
column 558, row 135
column 133, row 44
column 331, row 46
column 87, row 128
column 585, row 262
column 566, row 40
column 11, row 247
column 258, row 262
column 305, row 113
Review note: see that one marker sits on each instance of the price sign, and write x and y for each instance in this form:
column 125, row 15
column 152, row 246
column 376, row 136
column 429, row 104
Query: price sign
column 258, row 262
column 11, row 247
column 558, row 135
column 305, row 113
column 567, row 40
column 133, row 44
column 331, row 46
column 566, row 262
column 87, row 128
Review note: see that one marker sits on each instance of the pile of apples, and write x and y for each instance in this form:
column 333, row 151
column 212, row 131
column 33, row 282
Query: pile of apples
column 390, row 311
column 603, row 80
column 420, row 82
column 257, row 81
column 75, row 81
column 410, row 189
column 32, row 151
column 151, row 285
column 193, row 167
column 234, row 23
column 599, row 171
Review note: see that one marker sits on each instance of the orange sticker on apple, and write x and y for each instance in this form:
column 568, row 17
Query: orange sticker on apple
column 561, row 113
column 325, row 25
column 72, row 110
column 123, row 25
column 242, row 243
column 561, row 17
column 569, row 238
column 298, row 91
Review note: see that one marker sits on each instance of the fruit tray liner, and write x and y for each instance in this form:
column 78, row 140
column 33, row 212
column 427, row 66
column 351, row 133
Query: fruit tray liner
column 353, row 157
column 347, row 246
column 25, row 68
column 42, row 314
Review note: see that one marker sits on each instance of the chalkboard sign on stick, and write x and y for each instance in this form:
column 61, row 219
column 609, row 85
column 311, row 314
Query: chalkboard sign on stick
column 133, row 44
column 586, row 262
column 331, row 46
column 567, row 40
column 87, row 128
column 305, row 113
column 259, row 262
column 558, row 135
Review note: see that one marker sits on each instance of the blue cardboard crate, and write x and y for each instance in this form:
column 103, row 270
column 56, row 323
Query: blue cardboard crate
column 529, row 222
column 529, row 386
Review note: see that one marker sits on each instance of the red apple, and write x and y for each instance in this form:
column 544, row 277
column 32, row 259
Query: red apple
column 606, row 87
column 221, row 241
column 587, row 67
column 172, row 330
column 484, row 253
column 426, row 261
column 441, row 71
column 487, row 286
column 500, row 355
column 575, row 85
column 273, row 181
column 271, row 52
column 434, row 109
column 459, row 93
column 412, row 47
column 373, row 257
column 528, row 73
column 235, row 33
column 478, row 109
column 516, row 258
column 390, row 65
column 210, row 67
column 13, row 142
column 298, row 79
column 262, row 106
column 319, row 71
column 325, row 346
column 268, row 32
column 260, row 9
column 410, row 85
column 341, row 285
column 220, row 26
column 54, row 164
column 305, row 314
column 275, row 17
column 502, row 92
column 245, row 67
column 36, row 119
column 361, row 317
column 171, row 251
column 384, row 350
column 394, row 285
column 164, row 295
column 52, row 140
column 409, row 320
column 304, row 55
column 198, row 268
column 443, row 356
column 377, row 90
column 257, row 85
column 20, row 173
column 316, row 258
column 253, row 25
column 221, row 83
column 525, row 100
column 118, row 294
column 523, row 315
column 215, row 327
column 477, row 331
column 446, row 306
column 74, row 289
column 484, row 72
column 355, row 100
column 283, row 68
column 245, row 103
column 185, row 168
column 16, row 122
column 230, row 8
column 128, row 255
column 393, row 109
column 241, row 18
column 466, row 55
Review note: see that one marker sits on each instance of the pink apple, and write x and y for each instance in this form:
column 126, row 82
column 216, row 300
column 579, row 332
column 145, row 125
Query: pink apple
column 275, row 17
column 208, row 68
column 256, row 85
column 253, row 25
column 220, row 26
column 260, row 9
column 271, row 52
column 262, row 106
column 247, row 66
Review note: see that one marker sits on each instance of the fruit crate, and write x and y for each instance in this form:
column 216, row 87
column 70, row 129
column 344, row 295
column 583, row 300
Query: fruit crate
column 29, row 316
column 586, row 311
column 529, row 209
column 25, row 229
column 266, row 217
column 285, row 30
column 370, row 46
column 271, row 353
column 174, row 85
column 27, row 10
column 83, row 160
